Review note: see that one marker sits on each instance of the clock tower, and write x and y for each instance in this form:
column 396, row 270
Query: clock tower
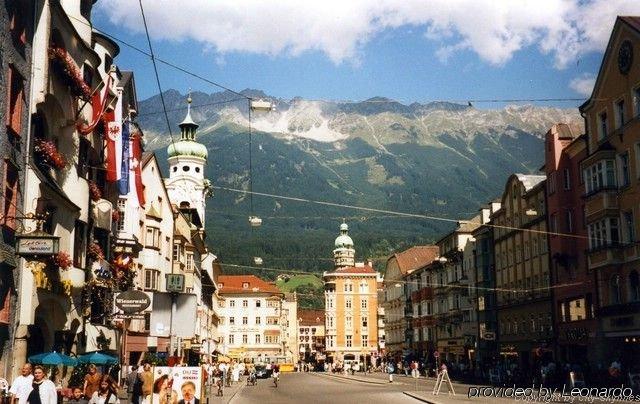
column 186, row 184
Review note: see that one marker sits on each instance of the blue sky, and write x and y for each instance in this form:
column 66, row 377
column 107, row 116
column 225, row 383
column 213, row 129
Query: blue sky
column 399, row 49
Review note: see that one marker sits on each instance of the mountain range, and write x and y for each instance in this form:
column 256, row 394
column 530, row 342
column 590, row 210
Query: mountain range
column 438, row 159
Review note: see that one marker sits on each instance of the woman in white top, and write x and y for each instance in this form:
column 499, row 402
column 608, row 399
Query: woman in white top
column 107, row 392
column 43, row 391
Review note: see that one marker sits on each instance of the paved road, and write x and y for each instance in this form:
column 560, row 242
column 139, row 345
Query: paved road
column 311, row 388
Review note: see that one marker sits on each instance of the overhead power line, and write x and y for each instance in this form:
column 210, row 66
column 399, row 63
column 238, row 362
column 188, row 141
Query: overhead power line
column 397, row 213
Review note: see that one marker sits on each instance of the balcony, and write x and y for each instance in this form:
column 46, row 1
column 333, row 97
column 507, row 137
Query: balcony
column 600, row 203
column 425, row 293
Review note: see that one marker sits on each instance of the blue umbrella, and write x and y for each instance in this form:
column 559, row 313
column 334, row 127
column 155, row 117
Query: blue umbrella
column 52, row 358
column 98, row 358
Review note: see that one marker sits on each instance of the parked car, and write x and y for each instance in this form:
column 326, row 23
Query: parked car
column 262, row 372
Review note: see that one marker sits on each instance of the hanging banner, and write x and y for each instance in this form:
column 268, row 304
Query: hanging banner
column 110, row 134
column 123, row 182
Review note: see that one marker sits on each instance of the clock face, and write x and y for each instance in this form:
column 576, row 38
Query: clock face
column 625, row 57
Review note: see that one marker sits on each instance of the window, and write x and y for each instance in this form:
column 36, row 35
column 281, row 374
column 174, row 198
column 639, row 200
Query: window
column 625, row 178
column 551, row 184
column 152, row 238
column 245, row 303
column 272, row 320
column 257, row 320
column 365, row 322
column 330, row 322
column 176, row 252
column 603, row 233
column 348, row 322
column 602, row 126
column 600, row 175
column 147, row 321
column 636, row 100
column 619, row 114
column 232, row 303
column 348, row 287
column 245, row 338
column 231, row 339
column 232, row 320
column 569, row 221
column 567, row 179
column 349, row 341
column 553, row 223
column 634, row 286
column 348, row 303
column 629, row 225
column 363, row 304
column 189, row 262
column 79, row 243
column 258, row 303
column 245, row 320
column 365, row 340
column 364, row 287
column 15, row 98
column 122, row 207
column 258, row 339
column 614, row 290
column 10, row 197
column 151, row 279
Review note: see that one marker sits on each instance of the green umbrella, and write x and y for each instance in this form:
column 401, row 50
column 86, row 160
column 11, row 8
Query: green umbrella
column 52, row 358
column 98, row 358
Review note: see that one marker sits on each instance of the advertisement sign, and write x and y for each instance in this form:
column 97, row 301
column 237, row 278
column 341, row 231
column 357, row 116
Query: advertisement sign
column 183, row 384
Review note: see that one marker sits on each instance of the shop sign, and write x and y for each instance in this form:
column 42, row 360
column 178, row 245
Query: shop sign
column 132, row 301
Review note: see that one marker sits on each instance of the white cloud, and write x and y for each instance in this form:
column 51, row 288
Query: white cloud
column 583, row 85
column 493, row 29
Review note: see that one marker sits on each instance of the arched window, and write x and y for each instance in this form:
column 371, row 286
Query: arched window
column 614, row 290
column 186, row 168
column 634, row 286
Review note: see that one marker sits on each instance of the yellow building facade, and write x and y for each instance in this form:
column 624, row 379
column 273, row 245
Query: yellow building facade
column 351, row 306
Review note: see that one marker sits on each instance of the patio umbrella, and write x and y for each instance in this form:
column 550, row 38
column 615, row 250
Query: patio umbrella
column 52, row 358
column 98, row 358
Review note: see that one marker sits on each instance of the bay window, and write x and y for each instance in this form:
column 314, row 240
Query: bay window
column 605, row 232
column 600, row 175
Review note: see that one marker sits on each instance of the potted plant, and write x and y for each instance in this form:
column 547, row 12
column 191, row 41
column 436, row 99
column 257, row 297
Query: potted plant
column 62, row 260
column 48, row 154
column 94, row 191
column 65, row 62
column 94, row 252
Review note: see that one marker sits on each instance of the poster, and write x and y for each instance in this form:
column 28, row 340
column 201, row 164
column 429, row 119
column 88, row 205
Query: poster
column 183, row 384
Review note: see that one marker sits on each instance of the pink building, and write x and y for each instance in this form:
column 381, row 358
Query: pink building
column 574, row 292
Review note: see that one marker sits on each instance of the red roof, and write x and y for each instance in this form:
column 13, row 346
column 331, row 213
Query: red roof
column 355, row 270
column 416, row 257
column 239, row 284
column 311, row 317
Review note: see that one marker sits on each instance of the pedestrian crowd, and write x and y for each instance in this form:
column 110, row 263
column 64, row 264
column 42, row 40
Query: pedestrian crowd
column 34, row 387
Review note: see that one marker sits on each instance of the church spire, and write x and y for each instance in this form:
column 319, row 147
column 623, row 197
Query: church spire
column 188, row 127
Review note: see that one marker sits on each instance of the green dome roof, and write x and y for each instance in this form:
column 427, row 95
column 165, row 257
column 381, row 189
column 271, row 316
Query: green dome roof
column 187, row 148
column 344, row 241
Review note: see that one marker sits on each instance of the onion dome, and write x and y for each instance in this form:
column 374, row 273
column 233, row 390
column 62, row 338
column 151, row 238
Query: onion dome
column 187, row 145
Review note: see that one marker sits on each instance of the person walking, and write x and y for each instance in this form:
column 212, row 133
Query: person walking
column 107, row 392
column 21, row 385
column 131, row 380
column 91, row 381
column 77, row 397
column 147, row 380
column 43, row 390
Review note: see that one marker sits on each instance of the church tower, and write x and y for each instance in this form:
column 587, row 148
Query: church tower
column 186, row 184
column 344, row 254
